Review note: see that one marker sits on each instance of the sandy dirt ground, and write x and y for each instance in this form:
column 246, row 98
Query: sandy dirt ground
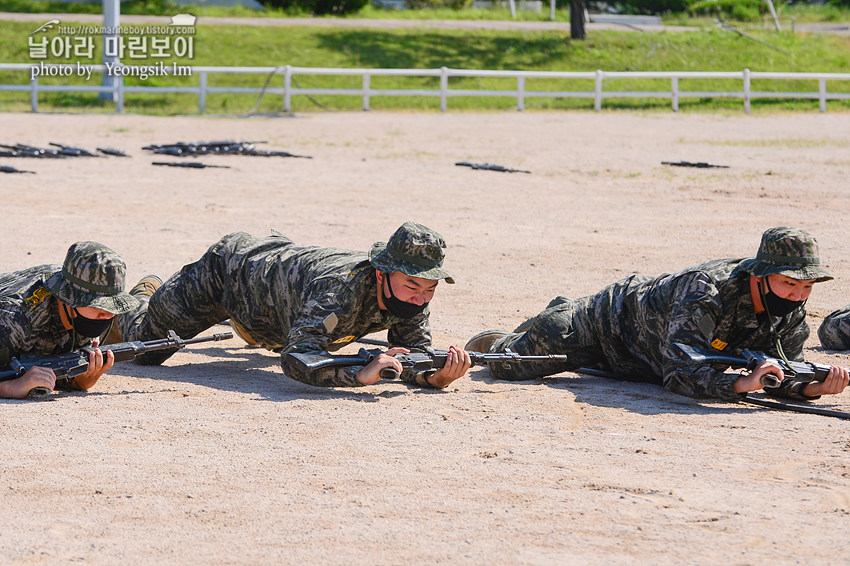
column 218, row 458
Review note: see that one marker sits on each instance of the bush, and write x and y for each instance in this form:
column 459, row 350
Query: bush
column 318, row 7
column 656, row 6
column 453, row 4
column 742, row 10
column 633, row 6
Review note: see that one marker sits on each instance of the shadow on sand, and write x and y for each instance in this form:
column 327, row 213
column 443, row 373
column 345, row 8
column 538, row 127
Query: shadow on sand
column 636, row 397
column 252, row 372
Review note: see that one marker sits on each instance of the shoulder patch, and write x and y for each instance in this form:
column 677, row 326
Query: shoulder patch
column 355, row 272
column 707, row 326
column 37, row 297
column 719, row 344
column 344, row 339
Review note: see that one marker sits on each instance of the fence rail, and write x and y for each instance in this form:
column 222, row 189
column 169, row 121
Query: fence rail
column 520, row 93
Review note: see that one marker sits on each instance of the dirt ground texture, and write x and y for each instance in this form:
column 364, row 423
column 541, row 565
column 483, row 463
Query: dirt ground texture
column 218, row 458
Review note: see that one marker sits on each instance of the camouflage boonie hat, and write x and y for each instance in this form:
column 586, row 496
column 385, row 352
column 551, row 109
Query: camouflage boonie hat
column 414, row 250
column 787, row 251
column 92, row 276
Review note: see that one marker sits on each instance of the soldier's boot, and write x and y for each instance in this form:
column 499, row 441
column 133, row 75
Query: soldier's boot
column 483, row 341
column 146, row 286
column 243, row 334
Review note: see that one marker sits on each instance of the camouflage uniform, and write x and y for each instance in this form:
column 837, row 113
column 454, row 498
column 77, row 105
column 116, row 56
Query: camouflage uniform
column 630, row 326
column 91, row 276
column 296, row 298
column 834, row 332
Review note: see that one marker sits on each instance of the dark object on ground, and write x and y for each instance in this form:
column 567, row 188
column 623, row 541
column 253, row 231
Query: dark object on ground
column 7, row 169
column 190, row 164
column 113, row 152
column 746, row 399
column 698, row 164
column 267, row 153
column 183, row 149
column 797, row 408
column 490, row 167
column 73, row 151
column 22, row 150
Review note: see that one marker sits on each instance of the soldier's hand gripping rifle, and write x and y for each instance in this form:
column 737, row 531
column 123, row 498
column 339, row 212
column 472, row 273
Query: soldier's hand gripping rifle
column 68, row 366
column 801, row 371
column 416, row 361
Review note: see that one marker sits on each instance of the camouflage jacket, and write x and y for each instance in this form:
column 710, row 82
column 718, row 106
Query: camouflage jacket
column 708, row 305
column 834, row 331
column 312, row 299
column 29, row 316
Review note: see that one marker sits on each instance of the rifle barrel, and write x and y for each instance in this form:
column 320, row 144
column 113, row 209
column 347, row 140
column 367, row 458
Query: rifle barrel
column 213, row 338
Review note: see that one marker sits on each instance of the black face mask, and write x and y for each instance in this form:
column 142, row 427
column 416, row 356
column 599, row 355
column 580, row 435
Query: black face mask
column 776, row 305
column 90, row 327
column 398, row 307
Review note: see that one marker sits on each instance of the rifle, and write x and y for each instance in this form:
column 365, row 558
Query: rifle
column 190, row 164
column 112, row 151
column 22, row 150
column 803, row 371
column 698, row 164
column 416, row 361
column 73, row 151
column 267, row 153
column 490, row 167
column 7, row 169
column 68, row 366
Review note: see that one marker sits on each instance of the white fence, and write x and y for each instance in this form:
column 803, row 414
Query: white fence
column 520, row 93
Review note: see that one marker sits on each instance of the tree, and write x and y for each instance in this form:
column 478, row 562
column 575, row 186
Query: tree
column 577, row 20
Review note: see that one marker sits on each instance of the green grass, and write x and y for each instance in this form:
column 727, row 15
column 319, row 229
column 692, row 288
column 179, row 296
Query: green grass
column 708, row 50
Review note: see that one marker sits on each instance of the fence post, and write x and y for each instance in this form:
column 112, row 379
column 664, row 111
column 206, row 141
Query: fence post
column 287, row 88
column 747, row 91
column 366, row 85
column 822, row 95
column 444, row 88
column 202, row 92
column 597, row 102
column 118, row 93
column 674, row 95
column 34, row 94
column 520, row 93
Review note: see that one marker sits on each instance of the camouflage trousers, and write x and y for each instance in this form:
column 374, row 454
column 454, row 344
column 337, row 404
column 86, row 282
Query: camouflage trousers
column 834, row 331
column 573, row 327
column 191, row 301
column 564, row 327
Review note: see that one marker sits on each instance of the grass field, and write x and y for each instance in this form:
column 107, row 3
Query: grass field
column 229, row 45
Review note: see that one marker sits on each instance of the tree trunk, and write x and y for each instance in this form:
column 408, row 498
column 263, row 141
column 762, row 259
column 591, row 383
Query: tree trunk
column 577, row 19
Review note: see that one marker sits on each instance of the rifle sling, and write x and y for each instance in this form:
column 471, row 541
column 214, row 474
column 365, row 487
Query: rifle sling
column 761, row 402
column 797, row 408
